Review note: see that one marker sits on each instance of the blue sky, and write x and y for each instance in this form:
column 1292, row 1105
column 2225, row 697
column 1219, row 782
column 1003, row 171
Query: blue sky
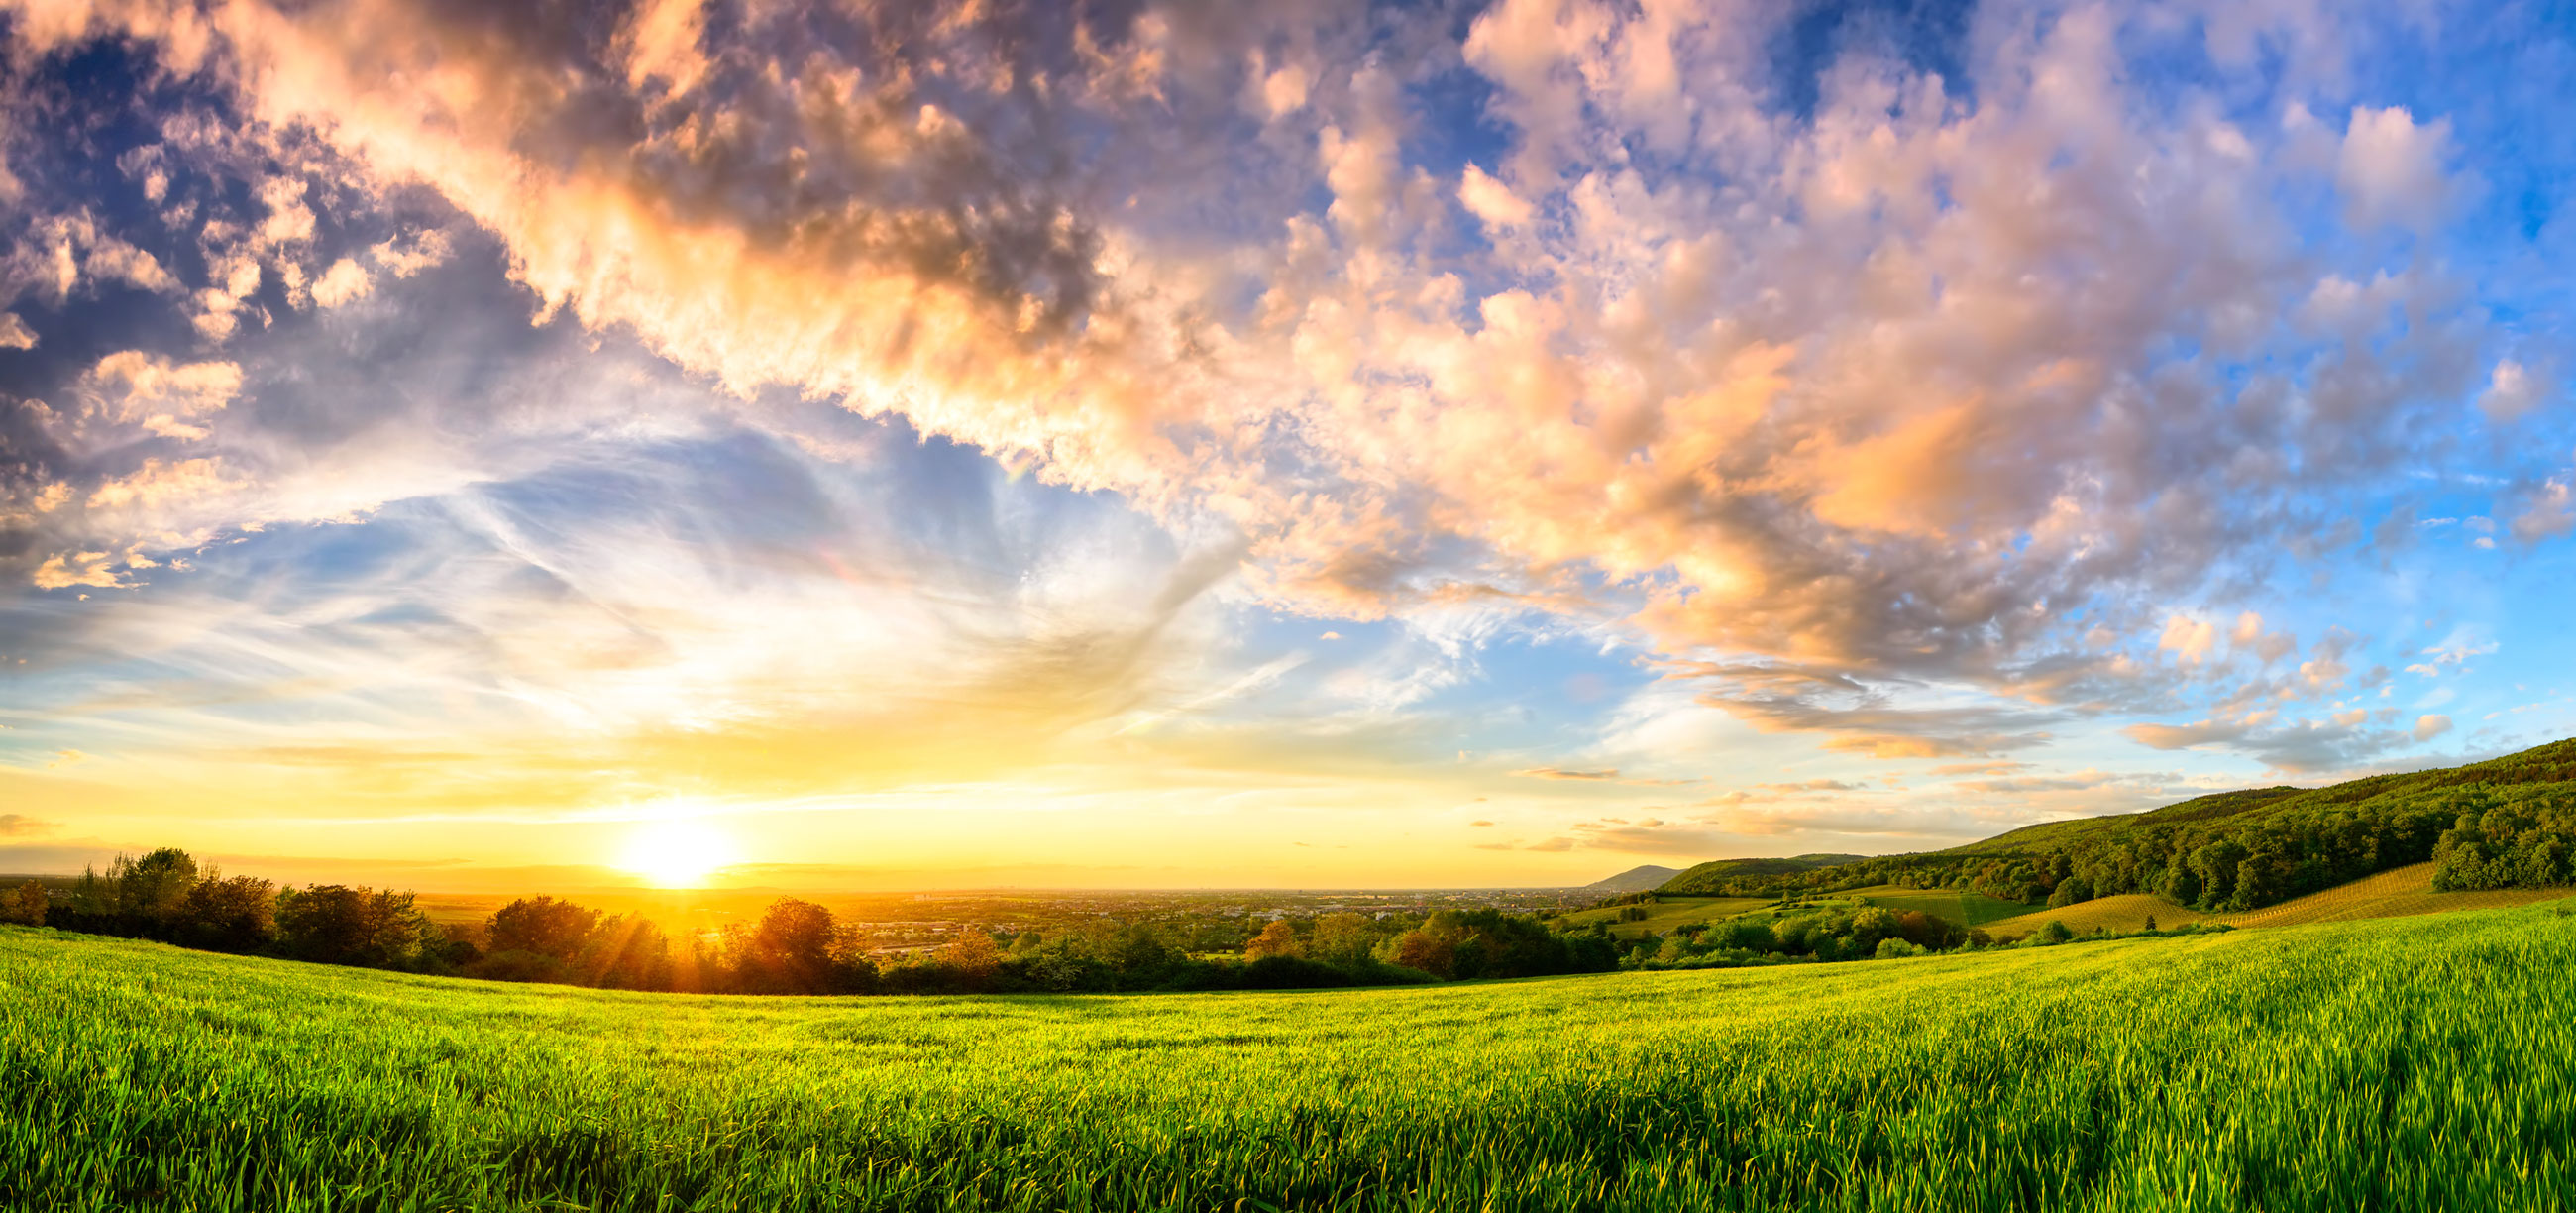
column 1321, row 444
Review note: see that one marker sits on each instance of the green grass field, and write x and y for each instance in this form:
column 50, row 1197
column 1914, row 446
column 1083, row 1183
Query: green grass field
column 1662, row 916
column 2388, row 1064
column 2121, row 912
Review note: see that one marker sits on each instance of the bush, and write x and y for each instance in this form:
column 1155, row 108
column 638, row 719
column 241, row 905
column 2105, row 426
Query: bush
column 24, row 905
column 1896, row 949
column 517, row 965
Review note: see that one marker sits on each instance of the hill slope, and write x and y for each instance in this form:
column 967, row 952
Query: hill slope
column 1635, row 880
column 142, row 1076
column 2508, row 822
column 1715, row 877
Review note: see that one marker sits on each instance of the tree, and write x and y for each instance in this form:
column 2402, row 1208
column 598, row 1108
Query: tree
column 1277, row 939
column 627, row 953
column 25, row 905
column 974, row 957
column 790, row 952
column 2070, row 891
column 1430, row 949
column 1344, row 939
column 231, row 914
column 2055, row 932
column 337, row 924
column 543, row 926
column 154, row 889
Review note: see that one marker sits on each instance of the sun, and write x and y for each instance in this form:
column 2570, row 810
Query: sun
column 678, row 853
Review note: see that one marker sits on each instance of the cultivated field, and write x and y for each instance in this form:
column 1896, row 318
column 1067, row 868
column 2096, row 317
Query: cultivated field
column 2124, row 912
column 2384, row 1064
column 2394, row 893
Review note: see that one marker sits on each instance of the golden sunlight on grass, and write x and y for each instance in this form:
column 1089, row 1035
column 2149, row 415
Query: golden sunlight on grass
column 677, row 853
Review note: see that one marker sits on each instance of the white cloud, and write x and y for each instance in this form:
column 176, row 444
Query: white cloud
column 2391, row 168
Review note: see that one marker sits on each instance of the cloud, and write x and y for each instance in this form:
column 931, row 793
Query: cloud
column 1864, row 399
column 14, row 333
column 150, row 392
column 2512, row 391
column 2547, row 512
column 2186, row 736
column 19, row 825
column 1491, row 201
column 1903, row 415
column 345, row 282
column 2390, row 168
column 2343, row 742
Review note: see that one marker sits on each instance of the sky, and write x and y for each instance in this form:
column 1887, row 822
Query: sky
column 885, row 446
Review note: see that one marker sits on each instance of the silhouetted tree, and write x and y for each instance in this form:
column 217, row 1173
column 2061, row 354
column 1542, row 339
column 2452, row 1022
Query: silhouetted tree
column 627, row 953
column 542, row 926
column 337, row 924
column 153, row 891
column 231, row 914
column 790, row 952
column 974, row 958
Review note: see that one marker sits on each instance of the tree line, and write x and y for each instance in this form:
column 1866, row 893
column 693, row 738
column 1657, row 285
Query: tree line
column 794, row 947
column 1836, row 934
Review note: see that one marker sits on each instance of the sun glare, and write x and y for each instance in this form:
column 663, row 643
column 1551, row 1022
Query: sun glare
column 677, row 854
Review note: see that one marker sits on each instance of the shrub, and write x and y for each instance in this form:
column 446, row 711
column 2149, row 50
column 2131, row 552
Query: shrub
column 24, row 905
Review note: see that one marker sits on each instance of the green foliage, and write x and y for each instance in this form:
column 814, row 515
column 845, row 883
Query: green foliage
column 2520, row 842
column 2386, row 1064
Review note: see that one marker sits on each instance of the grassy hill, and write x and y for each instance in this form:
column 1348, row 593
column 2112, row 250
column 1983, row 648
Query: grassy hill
column 2395, row 893
column 2285, row 1070
column 2508, row 822
column 1718, row 876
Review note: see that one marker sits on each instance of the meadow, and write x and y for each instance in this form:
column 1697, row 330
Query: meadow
column 2404, row 1063
column 1663, row 915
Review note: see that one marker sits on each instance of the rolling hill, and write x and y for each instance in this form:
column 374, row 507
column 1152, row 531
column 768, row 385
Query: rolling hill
column 2505, row 823
column 1715, row 877
column 1638, row 879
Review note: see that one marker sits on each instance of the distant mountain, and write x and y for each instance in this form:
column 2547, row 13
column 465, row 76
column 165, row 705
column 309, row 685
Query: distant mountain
column 1635, row 880
column 1711, row 877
